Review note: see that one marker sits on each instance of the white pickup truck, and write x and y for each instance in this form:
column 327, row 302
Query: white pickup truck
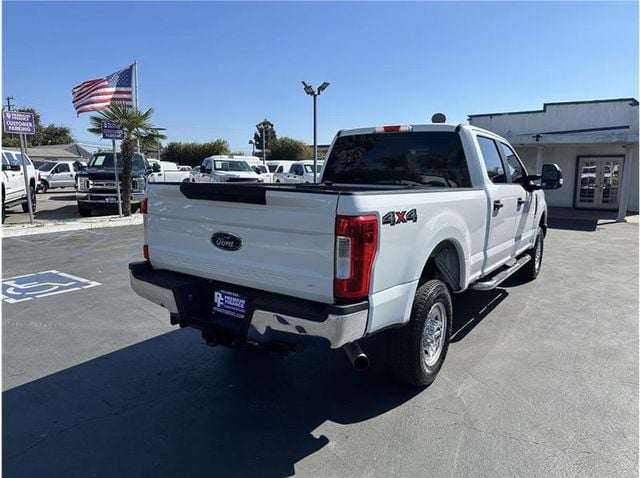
column 403, row 217
column 167, row 172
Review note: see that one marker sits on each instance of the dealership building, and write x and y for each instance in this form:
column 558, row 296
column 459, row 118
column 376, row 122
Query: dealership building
column 595, row 143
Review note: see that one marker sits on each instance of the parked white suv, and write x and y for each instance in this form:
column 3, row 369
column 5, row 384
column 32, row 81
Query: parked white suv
column 226, row 169
column 13, row 190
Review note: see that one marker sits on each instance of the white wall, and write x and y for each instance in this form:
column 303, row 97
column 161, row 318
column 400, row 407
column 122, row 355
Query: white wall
column 566, row 157
column 563, row 117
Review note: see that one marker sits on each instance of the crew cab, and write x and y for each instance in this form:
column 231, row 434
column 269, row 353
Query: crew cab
column 97, row 187
column 13, row 183
column 403, row 217
column 226, row 169
column 298, row 172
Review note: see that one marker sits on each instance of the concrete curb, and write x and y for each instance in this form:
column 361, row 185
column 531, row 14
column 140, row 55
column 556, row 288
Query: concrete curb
column 45, row 227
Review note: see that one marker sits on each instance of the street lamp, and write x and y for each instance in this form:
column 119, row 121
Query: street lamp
column 253, row 147
column 263, row 127
column 308, row 89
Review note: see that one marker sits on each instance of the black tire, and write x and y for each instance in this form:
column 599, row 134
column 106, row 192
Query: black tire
column 409, row 359
column 44, row 187
column 4, row 210
column 84, row 211
column 532, row 268
column 34, row 204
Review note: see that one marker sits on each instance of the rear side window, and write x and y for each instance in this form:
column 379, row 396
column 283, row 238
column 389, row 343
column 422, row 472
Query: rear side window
column 63, row 168
column 492, row 160
column 427, row 158
column 516, row 169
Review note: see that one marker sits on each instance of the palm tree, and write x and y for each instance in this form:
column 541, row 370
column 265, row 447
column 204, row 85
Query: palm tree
column 137, row 127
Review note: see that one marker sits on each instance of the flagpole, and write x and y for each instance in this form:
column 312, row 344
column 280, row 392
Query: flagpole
column 135, row 79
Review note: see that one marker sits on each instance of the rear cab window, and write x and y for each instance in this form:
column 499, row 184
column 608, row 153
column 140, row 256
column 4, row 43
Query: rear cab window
column 420, row 158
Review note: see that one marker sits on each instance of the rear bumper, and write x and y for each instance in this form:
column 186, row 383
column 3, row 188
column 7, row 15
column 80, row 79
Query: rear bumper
column 269, row 318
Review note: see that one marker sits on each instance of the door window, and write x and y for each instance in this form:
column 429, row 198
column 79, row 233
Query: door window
column 492, row 160
column 280, row 169
column 63, row 168
column 516, row 169
column 296, row 169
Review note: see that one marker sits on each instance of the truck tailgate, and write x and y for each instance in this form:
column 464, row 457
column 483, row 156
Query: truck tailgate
column 287, row 236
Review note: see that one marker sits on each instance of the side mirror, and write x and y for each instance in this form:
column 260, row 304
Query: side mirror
column 551, row 177
column 155, row 168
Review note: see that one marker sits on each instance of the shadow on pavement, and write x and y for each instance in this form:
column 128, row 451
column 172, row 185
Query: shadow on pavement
column 171, row 406
column 588, row 225
column 470, row 308
column 62, row 197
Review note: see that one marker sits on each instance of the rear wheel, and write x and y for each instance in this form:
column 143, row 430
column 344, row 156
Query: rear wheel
column 84, row 211
column 44, row 187
column 420, row 347
column 532, row 268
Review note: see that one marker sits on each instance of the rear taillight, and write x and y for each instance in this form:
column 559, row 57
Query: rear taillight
column 145, row 251
column 356, row 245
column 144, row 206
column 39, row 177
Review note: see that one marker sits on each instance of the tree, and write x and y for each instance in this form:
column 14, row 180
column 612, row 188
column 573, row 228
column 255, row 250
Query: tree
column 56, row 134
column 137, row 126
column 289, row 149
column 192, row 154
column 269, row 134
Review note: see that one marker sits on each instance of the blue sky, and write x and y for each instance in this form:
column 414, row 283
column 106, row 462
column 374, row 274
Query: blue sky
column 214, row 70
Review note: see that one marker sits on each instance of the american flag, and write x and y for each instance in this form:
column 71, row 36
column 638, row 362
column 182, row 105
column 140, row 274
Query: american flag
column 96, row 95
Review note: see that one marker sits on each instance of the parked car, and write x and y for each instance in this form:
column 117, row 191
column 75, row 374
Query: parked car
column 404, row 217
column 57, row 174
column 166, row 172
column 97, row 184
column 13, row 188
column 226, row 169
column 297, row 172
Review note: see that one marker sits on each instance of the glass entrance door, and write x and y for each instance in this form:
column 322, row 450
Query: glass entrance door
column 598, row 183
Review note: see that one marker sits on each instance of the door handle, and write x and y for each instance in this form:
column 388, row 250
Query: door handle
column 521, row 202
column 497, row 205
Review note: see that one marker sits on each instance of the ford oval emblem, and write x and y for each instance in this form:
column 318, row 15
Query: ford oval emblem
column 226, row 241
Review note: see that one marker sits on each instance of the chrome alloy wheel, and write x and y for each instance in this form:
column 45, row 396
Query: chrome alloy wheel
column 433, row 336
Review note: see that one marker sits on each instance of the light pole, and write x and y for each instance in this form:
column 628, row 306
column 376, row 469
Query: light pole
column 253, row 147
column 308, row 89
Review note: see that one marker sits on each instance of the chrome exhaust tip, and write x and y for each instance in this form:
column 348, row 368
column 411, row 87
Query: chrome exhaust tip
column 357, row 357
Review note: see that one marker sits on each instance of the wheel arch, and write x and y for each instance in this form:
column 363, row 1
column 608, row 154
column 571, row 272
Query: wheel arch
column 446, row 261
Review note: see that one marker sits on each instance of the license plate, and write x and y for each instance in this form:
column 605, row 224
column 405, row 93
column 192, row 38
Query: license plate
column 108, row 199
column 229, row 303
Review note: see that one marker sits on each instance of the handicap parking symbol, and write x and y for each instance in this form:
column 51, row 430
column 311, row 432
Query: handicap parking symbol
column 42, row 284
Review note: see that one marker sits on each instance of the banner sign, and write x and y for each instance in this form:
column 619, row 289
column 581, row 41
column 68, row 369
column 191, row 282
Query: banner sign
column 112, row 130
column 18, row 122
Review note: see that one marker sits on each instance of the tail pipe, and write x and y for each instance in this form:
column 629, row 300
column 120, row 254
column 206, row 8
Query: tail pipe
column 356, row 356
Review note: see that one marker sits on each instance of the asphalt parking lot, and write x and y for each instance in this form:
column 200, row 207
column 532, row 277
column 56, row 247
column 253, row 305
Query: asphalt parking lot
column 55, row 204
column 541, row 379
